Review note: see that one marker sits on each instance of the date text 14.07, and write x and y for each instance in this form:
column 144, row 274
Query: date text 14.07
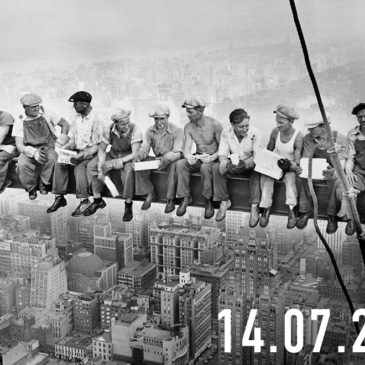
column 291, row 315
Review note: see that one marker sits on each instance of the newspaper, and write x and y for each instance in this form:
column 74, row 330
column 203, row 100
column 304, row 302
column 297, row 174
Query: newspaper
column 318, row 166
column 267, row 164
column 64, row 156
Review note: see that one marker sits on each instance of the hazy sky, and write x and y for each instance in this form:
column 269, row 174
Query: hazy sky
column 77, row 30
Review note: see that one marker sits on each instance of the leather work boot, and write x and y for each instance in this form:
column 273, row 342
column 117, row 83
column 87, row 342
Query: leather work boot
column 303, row 219
column 79, row 211
column 331, row 224
column 128, row 212
column 42, row 188
column 148, row 201
column 221, row 214
column 292, row 218
column 254, row 215
column 32, row 194
column 350, row 227
column 209, row 209
column 265, row 217
column 94, row 207
column 181, row 210
column 59, row 202
column 170, row 206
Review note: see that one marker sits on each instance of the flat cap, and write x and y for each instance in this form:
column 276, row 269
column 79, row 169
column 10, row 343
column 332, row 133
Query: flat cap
column 159, row 110
column 193, row 102
column 286, row 112
column 357, row 108
column 30, row 99
column 315, row 120
column 120, row 113
column 83, row 96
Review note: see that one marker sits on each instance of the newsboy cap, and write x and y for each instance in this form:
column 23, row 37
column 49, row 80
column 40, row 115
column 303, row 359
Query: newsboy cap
column 120, row 113
column 193, row 102
column 357, row 108
column 315, row 120
column 30, row 99
column 83, row 96
column 159, row 110
column 286, row 112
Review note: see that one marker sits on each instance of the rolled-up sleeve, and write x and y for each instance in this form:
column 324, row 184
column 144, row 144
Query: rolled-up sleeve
column 178, row 145
column 146, row 144
column 106, row 134
column 18, row 128
column 97, row 131
column 224, row 149
column 137, row 136
column 350, row 145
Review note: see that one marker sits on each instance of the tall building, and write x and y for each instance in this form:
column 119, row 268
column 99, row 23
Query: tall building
column 334, row 240
column 7, row 296
column 48, row 282
column 26, row 251
column 175, row 247
column 195, row 312
column 138, row 229
column 23, row 296
column 254, row 266
column 54, row 224
column 5, row 257
column 86, row 314
column 111, row 246
column 217, row 276
column 270, row 318
column 255, row 257
column 234, row 220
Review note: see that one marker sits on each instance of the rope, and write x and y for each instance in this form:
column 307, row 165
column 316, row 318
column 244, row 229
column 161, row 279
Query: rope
column 336, row 165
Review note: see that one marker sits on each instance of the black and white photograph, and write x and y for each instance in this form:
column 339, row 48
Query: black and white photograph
column 181, row 182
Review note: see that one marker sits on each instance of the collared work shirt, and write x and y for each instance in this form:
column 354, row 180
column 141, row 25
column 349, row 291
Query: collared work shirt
column 86, row 131
column 51, row 118
column 137, row 135
column 172, row 140
column 353, row 135
column 248, row 146
column 311, row 144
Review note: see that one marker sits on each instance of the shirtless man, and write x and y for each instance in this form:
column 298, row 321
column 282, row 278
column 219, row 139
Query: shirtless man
column 288, row 143
column 206, row 133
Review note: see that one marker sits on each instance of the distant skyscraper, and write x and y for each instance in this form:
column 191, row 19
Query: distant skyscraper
column 138, row 229
column 270, row 318
column 48, row 282
column 54, row 224
column 115, row 247
column 216, row 275
column 7, row 296
column 195, row 312
column 175, row 247
column 86, row 314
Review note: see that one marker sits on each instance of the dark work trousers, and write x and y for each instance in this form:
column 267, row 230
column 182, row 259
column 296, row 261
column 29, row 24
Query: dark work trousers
column 30, row 171
column 184, row 170
column 144, row 185
column 306, row 202
column 221, row 192
column 122, row 178
column 60, row 179
column 5, row 159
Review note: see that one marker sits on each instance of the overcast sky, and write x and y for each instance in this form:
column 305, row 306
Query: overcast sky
column 54, row 31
